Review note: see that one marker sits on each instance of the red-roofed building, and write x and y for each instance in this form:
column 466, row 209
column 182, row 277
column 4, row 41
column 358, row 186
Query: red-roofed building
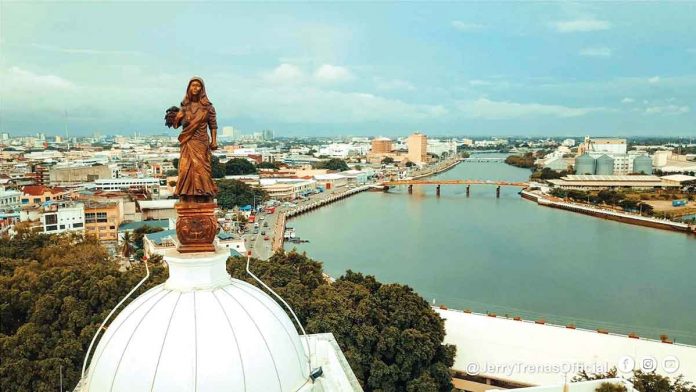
column 33, row 195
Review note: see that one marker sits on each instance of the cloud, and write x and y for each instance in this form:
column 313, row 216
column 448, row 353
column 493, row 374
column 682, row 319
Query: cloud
column 628, row 100
column 393, row 85
column 580, row 25
column 601, row 51
column 654, row 80
column 667, row 110
column 466, row 27
column 21, row 79
column 494, row 110
column 285, row 73
column 81, row 50
column 332, row 74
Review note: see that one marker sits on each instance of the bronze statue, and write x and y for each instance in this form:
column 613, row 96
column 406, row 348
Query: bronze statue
column 197, row 114
column 196, row 225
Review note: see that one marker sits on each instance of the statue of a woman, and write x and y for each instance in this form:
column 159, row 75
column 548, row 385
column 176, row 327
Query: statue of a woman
column 197, row 114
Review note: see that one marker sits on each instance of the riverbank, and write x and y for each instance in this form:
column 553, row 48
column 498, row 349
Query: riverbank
column 279, row 228
column 619, row 216
column 510, row 257
column 439, row 168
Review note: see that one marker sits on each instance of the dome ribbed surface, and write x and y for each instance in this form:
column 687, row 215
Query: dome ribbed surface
column 233, row 337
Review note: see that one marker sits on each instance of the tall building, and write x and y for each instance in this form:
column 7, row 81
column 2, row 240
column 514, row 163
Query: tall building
column 603, row 145
column 268, row 134
column 381, row 145
column 417, row 148
column 228, row 132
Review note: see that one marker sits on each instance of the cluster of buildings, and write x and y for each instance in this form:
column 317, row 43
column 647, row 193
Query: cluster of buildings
column 100, row 185
column 601, row 163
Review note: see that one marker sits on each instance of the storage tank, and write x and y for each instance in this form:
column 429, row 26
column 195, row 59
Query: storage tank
column 605, row 166
column 642, row 164
column 585, row 164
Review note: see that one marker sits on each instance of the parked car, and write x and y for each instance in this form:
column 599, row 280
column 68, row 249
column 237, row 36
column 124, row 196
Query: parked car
column 266, row 238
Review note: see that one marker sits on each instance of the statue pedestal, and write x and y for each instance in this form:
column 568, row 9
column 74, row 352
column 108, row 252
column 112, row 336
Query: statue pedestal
column 196, row 227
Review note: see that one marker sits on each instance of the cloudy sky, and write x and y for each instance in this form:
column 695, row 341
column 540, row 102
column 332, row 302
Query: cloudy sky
column 470, row 68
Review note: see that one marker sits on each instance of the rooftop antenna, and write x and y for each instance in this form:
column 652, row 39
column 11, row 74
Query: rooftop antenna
column 313, row 373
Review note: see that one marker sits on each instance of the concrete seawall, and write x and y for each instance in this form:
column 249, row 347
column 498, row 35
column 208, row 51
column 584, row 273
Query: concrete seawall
column 610, row 214
column 278, row 238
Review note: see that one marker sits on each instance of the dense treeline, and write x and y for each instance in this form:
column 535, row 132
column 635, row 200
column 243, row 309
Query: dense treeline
column 233, row 193
column 389, row 334
column 56, row 290
column 525, row 161
column 336, row 164
column 642, row 382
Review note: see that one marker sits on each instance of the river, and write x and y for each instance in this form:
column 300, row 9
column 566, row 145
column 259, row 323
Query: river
column 510, row 256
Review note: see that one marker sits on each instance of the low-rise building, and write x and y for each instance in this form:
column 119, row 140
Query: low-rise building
column 69, row 175
column 102, row 219
column 157, row 209
column 35, row 195
column 287, row 188
column 62, row 217
column 124, row 184
column 9, row 199
column 331, row 181
column 598, row 182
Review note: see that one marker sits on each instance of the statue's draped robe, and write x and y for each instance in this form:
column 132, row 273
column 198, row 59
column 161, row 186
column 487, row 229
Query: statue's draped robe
column 195, row 170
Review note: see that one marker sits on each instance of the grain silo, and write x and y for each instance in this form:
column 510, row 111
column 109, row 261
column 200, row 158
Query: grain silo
column 642, row 164
column 605, row 165
column 585, row 164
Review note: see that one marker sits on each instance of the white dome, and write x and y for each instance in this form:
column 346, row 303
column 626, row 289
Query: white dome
column 200, row 331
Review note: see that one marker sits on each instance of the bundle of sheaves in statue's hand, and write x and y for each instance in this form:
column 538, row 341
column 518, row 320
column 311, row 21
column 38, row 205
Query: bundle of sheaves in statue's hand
column 170, row 116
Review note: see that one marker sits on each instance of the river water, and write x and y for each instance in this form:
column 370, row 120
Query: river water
column 511, row 256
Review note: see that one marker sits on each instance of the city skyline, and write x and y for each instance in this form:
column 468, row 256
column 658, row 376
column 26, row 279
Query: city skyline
column 353, row 69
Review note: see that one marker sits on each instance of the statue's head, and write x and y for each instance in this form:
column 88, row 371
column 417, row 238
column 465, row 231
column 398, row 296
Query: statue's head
column 195, row 92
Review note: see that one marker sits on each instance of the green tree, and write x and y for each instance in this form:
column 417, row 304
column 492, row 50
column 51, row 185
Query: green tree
column 139, row 234
column 268, row 165
column 233, row 193
column 410, row 164
column 217, row 168
column 175, row 163
column 642, row 381
column 389, row 334
column 127, row 245
column 51, row 303
column 387, row 160
column 333, row 164
column 525, row 161
column 239, row 166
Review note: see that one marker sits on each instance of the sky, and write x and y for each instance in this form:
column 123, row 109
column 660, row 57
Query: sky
column 353, row 68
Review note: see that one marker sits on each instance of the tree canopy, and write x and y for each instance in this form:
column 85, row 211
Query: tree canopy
column 333, row 164
column 239, row 166
column 55, row 291
column 390, row 336
column 233, row 193
column 642, row 381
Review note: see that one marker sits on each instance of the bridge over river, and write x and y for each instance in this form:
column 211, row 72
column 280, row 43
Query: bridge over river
column 439, row 182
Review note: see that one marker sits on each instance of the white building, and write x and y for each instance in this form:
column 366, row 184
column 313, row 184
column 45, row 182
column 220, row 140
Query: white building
column 58, row 218
column 439, row 147
column 125, row 183
column 603, row 145
column 9, row 199
column 343, row 150
column 331, row 181
column 568, row 142
column 287, row 188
